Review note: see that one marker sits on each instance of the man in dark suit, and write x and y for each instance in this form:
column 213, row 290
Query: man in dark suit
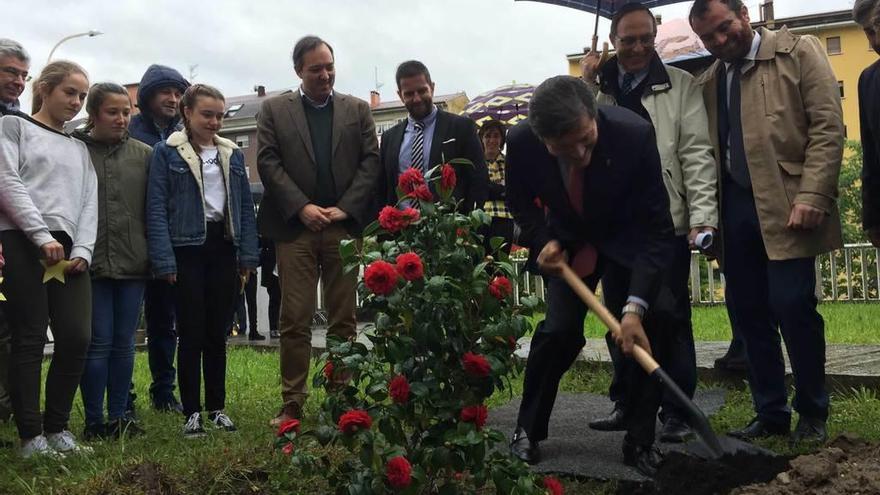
column 597, row 172
column 318, row 159
column 429, row 136
column 867, row 14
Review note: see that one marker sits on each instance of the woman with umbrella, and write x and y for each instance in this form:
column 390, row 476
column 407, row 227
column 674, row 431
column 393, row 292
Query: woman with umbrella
column 493, row 134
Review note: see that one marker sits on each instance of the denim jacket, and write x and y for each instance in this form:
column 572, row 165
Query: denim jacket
column 176, row 202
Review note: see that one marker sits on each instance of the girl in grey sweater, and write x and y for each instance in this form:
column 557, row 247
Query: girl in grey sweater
column 48, row 222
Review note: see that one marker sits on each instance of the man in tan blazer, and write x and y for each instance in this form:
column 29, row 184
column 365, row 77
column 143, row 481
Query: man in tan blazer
column 777, row 128
column 319, row 162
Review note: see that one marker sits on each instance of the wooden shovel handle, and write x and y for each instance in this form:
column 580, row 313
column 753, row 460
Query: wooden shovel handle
column 580, row 288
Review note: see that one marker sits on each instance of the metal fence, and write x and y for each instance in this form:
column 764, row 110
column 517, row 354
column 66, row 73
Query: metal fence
column 848, row 274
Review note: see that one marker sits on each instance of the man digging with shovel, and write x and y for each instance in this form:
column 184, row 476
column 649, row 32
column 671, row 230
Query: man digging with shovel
column 597, row 172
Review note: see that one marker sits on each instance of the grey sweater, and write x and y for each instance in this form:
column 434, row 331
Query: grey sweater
column 47, row 183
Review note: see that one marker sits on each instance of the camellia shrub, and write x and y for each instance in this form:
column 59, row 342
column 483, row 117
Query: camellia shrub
column 411, row 410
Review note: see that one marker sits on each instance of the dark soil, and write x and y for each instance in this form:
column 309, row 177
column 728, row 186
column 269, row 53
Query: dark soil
column 848, row 465
column 685, row 473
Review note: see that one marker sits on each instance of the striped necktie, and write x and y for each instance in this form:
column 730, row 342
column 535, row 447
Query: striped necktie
column 628, row 79
column 417, row 153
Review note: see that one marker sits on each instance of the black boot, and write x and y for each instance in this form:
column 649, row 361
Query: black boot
column 524, row 449
column 645, row 458
column 612, row 422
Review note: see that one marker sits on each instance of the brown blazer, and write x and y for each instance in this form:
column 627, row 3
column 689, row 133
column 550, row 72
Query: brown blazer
column 286, row 163
column 793, row 136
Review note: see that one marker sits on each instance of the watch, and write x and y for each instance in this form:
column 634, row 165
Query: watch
column 634, row 308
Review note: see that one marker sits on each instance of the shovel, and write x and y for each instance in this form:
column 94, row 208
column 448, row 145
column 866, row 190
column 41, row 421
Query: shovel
column 695, row 417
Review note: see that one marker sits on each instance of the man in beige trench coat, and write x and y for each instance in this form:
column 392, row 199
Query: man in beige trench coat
column 777, row 128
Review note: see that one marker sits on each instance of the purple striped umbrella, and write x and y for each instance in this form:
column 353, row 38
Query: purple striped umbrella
column 509, row 104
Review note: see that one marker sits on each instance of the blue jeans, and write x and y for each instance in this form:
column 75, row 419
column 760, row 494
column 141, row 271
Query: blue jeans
column 110, row 363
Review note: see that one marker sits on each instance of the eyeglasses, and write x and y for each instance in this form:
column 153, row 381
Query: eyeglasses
column 15, row 73
column 630, row 41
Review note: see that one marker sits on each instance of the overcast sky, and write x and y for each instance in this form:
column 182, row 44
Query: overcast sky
column 469, row 45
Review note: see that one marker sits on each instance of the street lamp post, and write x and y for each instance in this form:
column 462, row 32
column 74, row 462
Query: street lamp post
column 90, row 34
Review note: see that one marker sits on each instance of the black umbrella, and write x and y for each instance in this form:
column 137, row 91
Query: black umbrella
column 604, row 8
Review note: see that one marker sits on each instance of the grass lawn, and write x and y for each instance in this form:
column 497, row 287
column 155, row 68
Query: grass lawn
column 245, row 462
column 845, row 323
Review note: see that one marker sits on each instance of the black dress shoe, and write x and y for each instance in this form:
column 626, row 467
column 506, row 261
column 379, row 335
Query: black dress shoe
column 675, row 431
column 273, row 334
column 613, row 422
column 734, row 359
column 645, row 458
column 759, row 428
column 524, row 449
column 809, row 431
column 256, row 336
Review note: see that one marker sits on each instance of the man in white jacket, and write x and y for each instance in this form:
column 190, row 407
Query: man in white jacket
column 636, row 78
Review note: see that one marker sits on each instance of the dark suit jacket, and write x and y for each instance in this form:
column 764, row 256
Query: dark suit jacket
column 286, row 162
column 869, row 117
column 473, row 182
column 626, row 209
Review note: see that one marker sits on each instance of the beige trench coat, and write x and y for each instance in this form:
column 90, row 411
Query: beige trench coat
column 793, row 136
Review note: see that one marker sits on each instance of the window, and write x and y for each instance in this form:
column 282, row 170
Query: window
column 244, row 140
column 840, row 86
column 231, row 111
column 832, row 45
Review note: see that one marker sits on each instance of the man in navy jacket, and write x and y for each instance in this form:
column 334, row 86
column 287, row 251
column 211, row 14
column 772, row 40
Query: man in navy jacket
column 158, row 97
column 596, row 172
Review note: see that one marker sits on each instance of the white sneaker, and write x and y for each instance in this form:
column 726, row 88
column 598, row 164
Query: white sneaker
column 38, row 446
column 222, row 421
column 65, row 443
column 193, row 427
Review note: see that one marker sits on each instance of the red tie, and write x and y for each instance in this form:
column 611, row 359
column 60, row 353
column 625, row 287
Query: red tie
column 584, row 260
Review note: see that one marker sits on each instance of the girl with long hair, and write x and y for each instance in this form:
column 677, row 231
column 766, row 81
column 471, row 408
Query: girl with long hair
column 120, row 264
column 48, row 222
column 202, row 238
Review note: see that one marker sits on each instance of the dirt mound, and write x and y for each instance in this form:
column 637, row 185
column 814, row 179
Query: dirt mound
column 147, row 478
column 849, row 465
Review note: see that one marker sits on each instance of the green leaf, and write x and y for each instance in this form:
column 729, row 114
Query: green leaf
column 419, row 389
column 347, row 248
column 496, row 242
column 370, row 229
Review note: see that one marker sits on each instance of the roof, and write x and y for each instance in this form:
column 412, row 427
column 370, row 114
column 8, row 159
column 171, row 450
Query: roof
column 397, row 104
column 250, row 104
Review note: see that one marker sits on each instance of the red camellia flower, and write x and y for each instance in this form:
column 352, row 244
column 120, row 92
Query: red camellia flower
column 553, row 485
column 475, row 364
column 447, row 177
column 288, row 426
column 328, row 370
column 398, row 389
column 288, row 449
column 380, row 277
column 422, row 192
column 390, row 219
column 461, row 232
column 394, row 220
column 399, row 472
column 500, row 287
column 409, row 180
column 475, row 414
column 409, row 266
column 354, row 420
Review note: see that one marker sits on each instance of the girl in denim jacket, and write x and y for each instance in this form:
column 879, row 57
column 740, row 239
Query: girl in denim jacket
column 201, row 236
